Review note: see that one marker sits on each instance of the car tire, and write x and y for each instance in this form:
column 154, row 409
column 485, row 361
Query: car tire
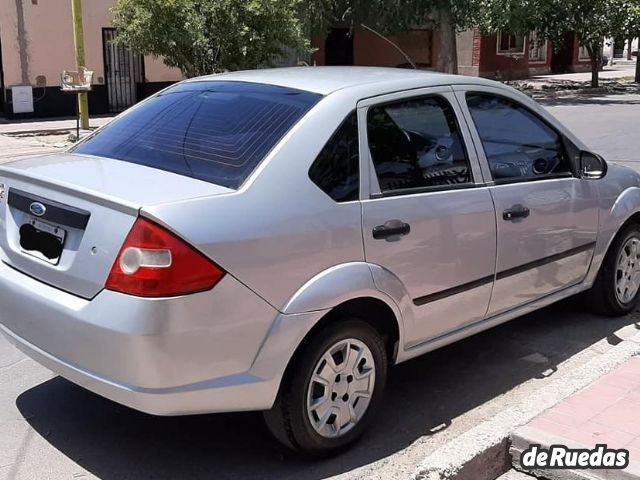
column 310, row 413
column 606, row 296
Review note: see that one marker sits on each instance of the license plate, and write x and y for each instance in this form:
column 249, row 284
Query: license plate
column 42, row 240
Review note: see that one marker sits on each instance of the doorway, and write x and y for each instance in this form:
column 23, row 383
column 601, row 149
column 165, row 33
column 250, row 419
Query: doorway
column 618, row 47
column 562, row 57
column 123, row 71
column 339, row 47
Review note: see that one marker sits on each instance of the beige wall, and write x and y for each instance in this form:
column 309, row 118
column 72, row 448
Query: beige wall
column 47, row 48
column 465, row 49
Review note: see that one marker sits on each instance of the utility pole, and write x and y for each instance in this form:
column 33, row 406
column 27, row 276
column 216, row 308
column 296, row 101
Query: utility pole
column 78, row 39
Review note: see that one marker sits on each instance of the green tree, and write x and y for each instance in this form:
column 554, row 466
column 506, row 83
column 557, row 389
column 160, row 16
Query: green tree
column 591, row 20
column 633, row 31
column 395, row 16
column 203, row 36
column 446, row 16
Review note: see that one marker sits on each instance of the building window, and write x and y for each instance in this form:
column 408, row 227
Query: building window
column 509, row 44
column 417, row 44
column 537, row 49
column 583, row 54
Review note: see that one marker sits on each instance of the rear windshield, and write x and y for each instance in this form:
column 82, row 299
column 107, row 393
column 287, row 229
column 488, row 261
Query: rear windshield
column 213, row 131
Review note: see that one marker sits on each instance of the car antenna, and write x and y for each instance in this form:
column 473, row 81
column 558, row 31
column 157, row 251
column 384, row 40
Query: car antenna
column 407, row 57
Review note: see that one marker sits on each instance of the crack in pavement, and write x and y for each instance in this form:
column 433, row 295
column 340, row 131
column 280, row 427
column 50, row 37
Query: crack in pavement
column 13, row 364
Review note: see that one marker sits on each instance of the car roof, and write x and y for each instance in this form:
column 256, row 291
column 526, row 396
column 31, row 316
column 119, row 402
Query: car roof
column 326, row 80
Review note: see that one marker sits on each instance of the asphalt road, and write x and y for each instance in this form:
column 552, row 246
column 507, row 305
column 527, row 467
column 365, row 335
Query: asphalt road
column 51, row 429
column 610, row 125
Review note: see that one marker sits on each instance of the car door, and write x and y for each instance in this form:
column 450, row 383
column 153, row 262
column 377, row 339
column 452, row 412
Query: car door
column 547, row 216
column 427, row 216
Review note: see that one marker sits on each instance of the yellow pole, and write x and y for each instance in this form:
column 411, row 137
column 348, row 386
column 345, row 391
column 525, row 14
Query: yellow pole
column 78, row 39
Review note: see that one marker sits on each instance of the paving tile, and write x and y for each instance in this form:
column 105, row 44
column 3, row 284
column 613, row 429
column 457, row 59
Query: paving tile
column 549, row 426
column 564, row 418
column 607, row 412
column 623, row 415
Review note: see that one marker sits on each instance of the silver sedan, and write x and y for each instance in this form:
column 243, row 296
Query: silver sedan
column 273, row 240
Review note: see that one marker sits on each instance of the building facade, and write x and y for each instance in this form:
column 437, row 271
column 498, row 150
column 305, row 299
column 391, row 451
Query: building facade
column 36, row 45
column 621, row 49
column 500, row 55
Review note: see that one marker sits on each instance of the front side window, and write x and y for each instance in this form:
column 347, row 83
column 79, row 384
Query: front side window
column 336, row 171
column 416, row 144
column 517, row 143
column 215, row 131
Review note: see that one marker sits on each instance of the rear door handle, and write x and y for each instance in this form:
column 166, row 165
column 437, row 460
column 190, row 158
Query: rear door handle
column 391, row 228
column 517, row 212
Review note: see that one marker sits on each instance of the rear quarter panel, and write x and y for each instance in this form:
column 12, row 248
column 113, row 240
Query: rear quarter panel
column 279, row 230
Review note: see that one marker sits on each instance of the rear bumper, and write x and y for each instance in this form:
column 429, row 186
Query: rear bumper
column 233, row 393
column 217, row 351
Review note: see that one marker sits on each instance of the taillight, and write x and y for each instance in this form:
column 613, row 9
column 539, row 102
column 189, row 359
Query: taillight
column 154, row 262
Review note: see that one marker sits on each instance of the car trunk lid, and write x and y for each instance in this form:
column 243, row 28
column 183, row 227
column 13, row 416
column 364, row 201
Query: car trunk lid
column 63, row 218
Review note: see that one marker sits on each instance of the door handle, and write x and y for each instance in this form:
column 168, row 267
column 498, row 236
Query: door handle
column 391, row 228
column 516, row 212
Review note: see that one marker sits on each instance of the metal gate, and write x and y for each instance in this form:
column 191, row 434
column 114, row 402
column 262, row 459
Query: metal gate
column 123, row 71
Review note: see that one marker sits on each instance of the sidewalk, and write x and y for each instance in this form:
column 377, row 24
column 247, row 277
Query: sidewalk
column 624, row 70
column 34, row 126
column 613, row 80
column 25, row 138
column 14, row 148
column 607, row 412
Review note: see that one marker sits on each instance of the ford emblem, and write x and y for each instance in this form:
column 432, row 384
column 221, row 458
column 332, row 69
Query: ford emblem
column 37, row 209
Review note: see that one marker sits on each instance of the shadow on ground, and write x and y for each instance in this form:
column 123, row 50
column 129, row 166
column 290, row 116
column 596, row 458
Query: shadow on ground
column 424, row 395
column 610, row 98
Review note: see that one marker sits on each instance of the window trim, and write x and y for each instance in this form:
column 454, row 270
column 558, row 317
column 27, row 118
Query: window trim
column 583, row 53
column 505, row 181
column 511, row 52
column 414, row 191
column 458, row 117
column 544, row 48
column 331, row 137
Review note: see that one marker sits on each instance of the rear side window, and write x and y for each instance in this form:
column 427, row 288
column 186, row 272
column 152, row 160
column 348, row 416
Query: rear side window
column 337, row 169
column 416, row 144
column 213, row 131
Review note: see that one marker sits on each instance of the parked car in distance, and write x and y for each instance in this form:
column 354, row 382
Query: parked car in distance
column 273, row 240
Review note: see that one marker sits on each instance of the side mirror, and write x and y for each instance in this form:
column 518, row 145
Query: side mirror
column 592, row 166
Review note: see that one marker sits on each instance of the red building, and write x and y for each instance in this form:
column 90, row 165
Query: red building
column 499, row 55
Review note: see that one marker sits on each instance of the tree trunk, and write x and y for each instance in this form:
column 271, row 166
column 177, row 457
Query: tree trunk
column 447, row 60
column 629, row 56
column 595, row 54
column 638, row 68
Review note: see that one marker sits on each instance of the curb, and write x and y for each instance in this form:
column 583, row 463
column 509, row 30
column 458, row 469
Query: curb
column 526, row 436
column 44, row 133
column 482, row 453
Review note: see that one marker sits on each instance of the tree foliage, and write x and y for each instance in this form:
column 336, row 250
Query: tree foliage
column 202, row 36
column 591, row 20
column 394, row 16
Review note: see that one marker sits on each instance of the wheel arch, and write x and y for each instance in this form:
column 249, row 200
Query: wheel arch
column 374, row 311
column 623, row 212
column 350, row 290
column 345, row 290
